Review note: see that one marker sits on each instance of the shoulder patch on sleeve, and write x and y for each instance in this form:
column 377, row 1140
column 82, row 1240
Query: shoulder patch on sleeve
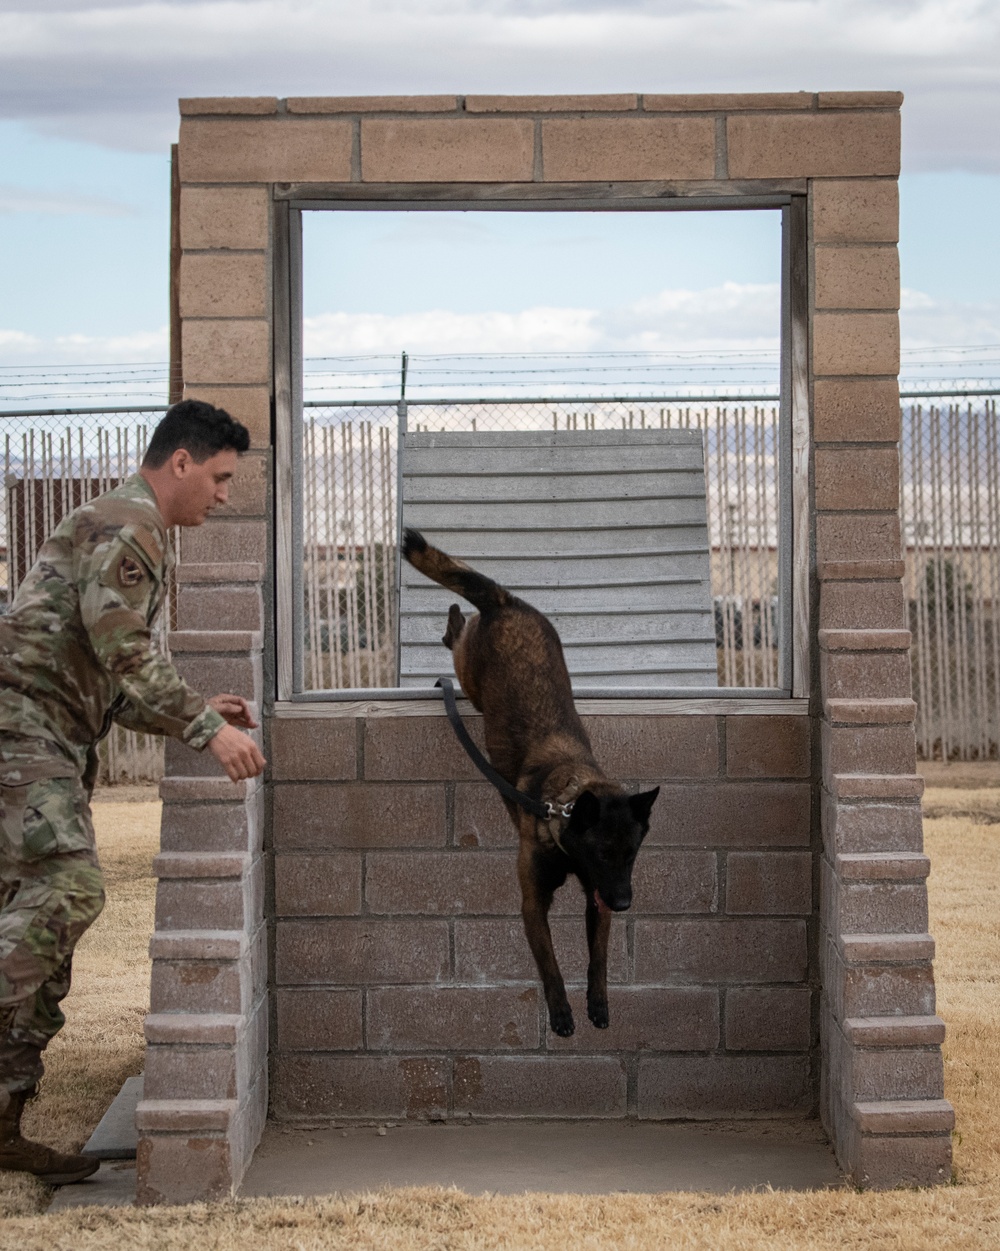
column 148, row 540
column 130, row 572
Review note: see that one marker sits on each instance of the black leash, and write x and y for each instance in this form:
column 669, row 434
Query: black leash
column 546, row 811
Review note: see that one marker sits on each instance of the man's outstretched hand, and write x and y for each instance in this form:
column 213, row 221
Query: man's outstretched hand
column 239, row 755
column 235, row 709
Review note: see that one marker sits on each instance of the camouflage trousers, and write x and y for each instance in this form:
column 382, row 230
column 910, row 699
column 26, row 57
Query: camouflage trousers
column 51, row 890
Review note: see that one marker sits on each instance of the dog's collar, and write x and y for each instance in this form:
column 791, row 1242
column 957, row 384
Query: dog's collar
column 559, row 811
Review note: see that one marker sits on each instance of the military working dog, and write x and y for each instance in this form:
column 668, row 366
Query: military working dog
column 510, row 663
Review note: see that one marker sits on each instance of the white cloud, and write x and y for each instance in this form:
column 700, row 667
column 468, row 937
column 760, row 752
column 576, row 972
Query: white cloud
column 732, row 318
column 18, row 348
column 112, row 70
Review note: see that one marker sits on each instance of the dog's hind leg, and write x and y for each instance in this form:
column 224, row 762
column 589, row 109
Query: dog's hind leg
column 456, row 624
column 598, row 933
column 536, row 899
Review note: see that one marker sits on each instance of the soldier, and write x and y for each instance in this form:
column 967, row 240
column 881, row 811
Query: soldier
column 75, row 656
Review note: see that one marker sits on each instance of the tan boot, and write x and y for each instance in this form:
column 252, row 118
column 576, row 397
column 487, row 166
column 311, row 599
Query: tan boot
column 20, row 1155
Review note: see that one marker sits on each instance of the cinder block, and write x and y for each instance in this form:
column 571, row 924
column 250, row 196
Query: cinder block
column 628, row 149
column 734, row 814
column 768, row 1018
column 239, row 675
column 869, row 749
column 324, row 749
column 369, row 951
column 865, row 410
column 880, row 908
column 226, row 352
column 865, row 675
column 183, row 1169
column 183, row 760
column 706, row 1087
column 891, row 1074
column 893, row 1031
column 881, row 990
column 318, row 815
column 371, row 104
column 855, row 211
column 855, row 343
column 279, row 149
column 728, row 101
column 418, row 748
column 769, row 883
column 207, row 827
column 311, row 885
column 849, row 479
column 552, row 104
column 812, row 145
column 224, row 218
column 319, row 1020
column 855, row 277
column 190, row 1073
column 885, row 1163
column 442, row 883
column 212, row 607
column 223, row 286
column 360, row 1087
column 870, row 711
column 646, row 1018
column 193, row 905
column 852, row 536
column 767, row 747
column 227, row 540
column 859, row 99
column 463, row 150
column 449, row 1018
column 232, row 105
column 250, row 405
column 862, row 605
column 674, row 881
column 196, row 986
column 675, row 952
column 904, row 1116
column 496, row 950
column 869, row 827
column 655, row 747
column 481, row 820
column 564, row 1087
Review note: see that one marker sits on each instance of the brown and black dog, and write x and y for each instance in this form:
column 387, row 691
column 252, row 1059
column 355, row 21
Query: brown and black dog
column 510, row 663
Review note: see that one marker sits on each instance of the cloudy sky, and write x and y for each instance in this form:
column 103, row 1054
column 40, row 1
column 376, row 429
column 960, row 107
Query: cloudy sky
column 88, row 97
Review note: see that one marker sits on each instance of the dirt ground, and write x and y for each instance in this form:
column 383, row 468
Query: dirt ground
column 102, row 1045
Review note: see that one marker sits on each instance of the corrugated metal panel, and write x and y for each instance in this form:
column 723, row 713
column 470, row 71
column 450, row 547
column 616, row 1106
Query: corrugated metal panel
column 605, row 532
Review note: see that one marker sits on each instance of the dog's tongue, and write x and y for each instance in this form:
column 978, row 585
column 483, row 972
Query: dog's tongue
column 601, row 905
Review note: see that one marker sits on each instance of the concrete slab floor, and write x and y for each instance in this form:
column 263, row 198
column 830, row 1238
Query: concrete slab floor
column 590, row 1157
column 112, row 1186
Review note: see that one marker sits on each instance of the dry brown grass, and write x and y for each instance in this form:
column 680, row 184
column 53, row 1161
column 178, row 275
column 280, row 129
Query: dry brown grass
column 964, row 890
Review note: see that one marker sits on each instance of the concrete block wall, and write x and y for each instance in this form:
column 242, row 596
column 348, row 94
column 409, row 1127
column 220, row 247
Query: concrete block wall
column 403, row 983
column 881, row 1041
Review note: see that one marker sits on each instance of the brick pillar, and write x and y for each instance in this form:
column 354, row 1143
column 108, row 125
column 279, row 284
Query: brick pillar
column 206, row 1061
column 881, row 1100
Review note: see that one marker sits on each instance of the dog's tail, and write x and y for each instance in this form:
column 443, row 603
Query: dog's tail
column 480, row 591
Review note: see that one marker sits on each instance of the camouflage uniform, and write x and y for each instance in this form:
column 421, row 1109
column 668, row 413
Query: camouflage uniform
column 75, row 655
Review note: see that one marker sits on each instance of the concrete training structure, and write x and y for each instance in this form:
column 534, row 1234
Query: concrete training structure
column 343, row 940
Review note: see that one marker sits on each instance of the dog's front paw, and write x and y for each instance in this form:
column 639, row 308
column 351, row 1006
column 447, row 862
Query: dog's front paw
column 597, row 1010
column 561, row 1020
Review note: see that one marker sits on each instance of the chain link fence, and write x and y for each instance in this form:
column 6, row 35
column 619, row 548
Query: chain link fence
column 349, row 521
column 52, row 463
column 950, row 475
column 950, row 488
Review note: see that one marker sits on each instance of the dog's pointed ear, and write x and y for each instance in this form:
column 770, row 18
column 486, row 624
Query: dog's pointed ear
column 586, row 811
column 642, row 805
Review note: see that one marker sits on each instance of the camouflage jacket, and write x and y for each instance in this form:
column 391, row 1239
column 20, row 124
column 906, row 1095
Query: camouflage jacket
column 76, row 650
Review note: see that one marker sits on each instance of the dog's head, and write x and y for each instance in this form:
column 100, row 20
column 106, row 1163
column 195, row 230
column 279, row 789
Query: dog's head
column 602, row 839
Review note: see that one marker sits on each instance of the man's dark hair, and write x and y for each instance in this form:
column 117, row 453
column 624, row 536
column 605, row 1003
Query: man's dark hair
column 197, row 427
